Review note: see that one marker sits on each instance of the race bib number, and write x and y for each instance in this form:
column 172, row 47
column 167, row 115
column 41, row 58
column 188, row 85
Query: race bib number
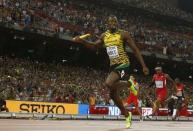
column 112, row 51
column 159, row 84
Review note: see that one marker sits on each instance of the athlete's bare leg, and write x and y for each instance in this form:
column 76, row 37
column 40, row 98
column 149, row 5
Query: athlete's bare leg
column 177, row 109
column 115, row 85
column 139, row 111
column 156, row 106
column 137, row 108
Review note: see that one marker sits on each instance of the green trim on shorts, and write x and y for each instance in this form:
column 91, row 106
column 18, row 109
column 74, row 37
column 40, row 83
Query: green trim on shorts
column 122, row 66
column 122, row 70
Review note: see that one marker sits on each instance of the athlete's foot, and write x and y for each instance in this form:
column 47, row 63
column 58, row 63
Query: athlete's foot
column 141, row 118
column 129, row 120
column 174, row 118
column 149, row 116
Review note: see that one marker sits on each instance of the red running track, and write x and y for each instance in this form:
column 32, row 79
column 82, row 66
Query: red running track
column 91, row 125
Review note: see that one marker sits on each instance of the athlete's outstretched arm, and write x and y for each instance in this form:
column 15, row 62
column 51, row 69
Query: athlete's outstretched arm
column 127, row 38
column 89, row 44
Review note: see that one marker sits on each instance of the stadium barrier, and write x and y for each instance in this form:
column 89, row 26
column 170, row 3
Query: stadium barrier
column 83, row 109
column 113, row 110
column 41, row 107
column 79, row 111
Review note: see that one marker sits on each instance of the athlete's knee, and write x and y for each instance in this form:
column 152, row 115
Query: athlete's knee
column 178, row 105
column 157, row 103
column 106, row 85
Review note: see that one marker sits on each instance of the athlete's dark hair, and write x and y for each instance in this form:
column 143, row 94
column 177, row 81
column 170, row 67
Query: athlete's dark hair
column 177, row 79
column 112, row 17
column 158, row 68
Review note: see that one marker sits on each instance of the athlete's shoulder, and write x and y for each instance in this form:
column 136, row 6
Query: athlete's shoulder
column 123, row 32
column 102, row 36
column 155, row 75
column 105, row 34
column 183, row 85
column 130, row 80
column 107, row 31
column 166, row 75
column 125, row 35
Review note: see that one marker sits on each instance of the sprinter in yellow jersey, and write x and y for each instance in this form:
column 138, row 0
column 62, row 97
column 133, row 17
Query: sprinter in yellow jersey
column 114, row 40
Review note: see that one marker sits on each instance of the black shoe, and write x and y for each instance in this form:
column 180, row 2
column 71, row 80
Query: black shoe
column 149, row 117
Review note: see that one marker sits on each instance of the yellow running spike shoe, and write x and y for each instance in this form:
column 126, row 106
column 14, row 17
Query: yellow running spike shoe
column 129, row 120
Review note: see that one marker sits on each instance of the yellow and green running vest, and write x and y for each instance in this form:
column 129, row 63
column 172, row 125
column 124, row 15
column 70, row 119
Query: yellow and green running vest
column 133, row 88
column 115, row 48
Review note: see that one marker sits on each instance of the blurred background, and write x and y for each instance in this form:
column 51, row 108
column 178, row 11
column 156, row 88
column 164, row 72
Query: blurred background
column 39, row 62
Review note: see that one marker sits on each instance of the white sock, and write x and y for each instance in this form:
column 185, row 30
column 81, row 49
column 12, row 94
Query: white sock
column 174, row 112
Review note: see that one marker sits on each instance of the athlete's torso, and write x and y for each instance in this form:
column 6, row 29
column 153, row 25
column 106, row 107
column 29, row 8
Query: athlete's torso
column 179, row 89
column 160, row 81
column 134, row 88
column 115, row 48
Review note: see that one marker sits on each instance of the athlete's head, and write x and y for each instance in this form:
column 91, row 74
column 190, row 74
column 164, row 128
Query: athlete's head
column 132, row 77
column 112, row 23
column 177, row 80
column 158, row 69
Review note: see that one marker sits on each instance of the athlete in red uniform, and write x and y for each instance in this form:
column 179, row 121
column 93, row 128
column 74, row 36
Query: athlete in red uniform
column 179, row 96
column 160, row 81
column 133, row 97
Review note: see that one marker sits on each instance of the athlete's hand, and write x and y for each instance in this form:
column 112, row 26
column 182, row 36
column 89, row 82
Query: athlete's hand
column 78, row 39
column 145, row 70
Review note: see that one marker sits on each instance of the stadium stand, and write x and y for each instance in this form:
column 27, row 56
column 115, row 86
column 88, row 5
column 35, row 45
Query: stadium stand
column 69, row 18
column 33, row 80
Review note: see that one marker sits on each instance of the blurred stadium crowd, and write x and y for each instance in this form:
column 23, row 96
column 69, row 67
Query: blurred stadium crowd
column 162, row 7
column 67, row 18
column 38, row 81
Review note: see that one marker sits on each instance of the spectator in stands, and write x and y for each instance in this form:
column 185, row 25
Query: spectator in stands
column 50, row 17
column 3, row 106
column 92, row 100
